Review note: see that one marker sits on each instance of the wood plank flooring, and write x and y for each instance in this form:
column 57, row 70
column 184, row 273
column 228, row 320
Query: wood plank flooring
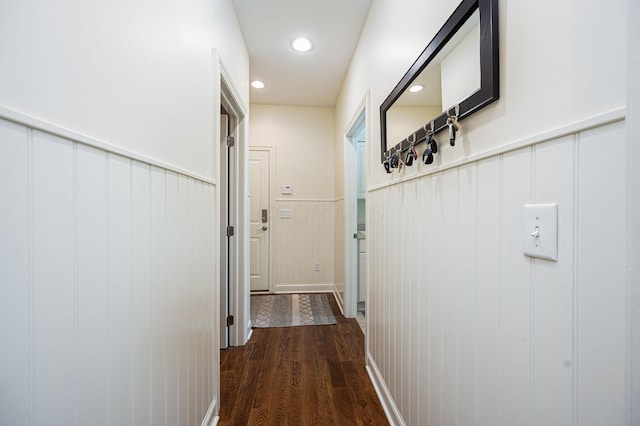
column 311, row 375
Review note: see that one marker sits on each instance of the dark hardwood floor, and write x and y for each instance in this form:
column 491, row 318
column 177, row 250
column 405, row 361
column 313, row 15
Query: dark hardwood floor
column 311, row 375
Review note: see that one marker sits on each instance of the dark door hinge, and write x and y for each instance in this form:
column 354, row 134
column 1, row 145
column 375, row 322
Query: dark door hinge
column 230, row 231
column 230, row 141
column 229, row 320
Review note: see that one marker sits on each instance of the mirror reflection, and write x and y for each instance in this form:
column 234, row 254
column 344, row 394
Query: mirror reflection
column 452, row 76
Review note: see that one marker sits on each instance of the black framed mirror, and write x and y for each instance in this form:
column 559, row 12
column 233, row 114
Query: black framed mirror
column 458, row 73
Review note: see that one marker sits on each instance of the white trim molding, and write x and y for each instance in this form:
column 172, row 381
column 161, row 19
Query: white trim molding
column 304, row 200
column 56, row 130
column 210, row 419
column 303, row 288
column 388, row 405
column 613, row 116
column 336, row 294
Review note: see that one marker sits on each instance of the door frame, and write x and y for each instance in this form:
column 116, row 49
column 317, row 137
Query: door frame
column 227, row 196
column 271, row 197
column 361, row 118
column 240, row 331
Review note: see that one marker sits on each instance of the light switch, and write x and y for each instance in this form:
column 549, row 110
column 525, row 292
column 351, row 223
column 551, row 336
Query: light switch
column 540, row 231
column 286, row 214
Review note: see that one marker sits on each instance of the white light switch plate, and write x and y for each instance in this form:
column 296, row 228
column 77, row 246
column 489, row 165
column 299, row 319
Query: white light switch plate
column 286, row 214
column 540, row 231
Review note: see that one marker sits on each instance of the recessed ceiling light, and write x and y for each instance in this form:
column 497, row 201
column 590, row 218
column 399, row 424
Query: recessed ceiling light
column 301, row 45
column 257, row 84
column 416, row 88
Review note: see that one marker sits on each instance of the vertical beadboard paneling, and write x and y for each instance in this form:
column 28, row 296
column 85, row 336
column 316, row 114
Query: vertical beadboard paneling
column 493, row 334
column 15, row 294
column 488, row 278
column 435, row 215
column 389, row 345
column 107, row 298
column 427, row 263
column 553, row 289
column 601, row 321
column 172, row 294
column 141, row 282
column 394, row 293
column 53, row 279
column 515, row 292
column 450, row 295
column 413, row 305
column 403, row 328
column 92, row 285
column 198, row 370
column 374, row 272
column 299, row 242
column 466, row 307
column 182, row 301
column 159, row 326
column 338, row 250
column 121, row 309
column 212, row 286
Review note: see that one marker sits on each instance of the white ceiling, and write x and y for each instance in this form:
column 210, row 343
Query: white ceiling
column 307, row 79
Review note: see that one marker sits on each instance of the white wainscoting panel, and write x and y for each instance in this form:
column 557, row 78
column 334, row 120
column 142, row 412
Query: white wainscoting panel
column 107, row 276
column 299, row 242
column 465, row 329
column 338, row 253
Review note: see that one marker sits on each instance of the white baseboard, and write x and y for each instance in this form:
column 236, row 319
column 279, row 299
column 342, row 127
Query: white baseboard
column 304, row 288
column 210, row 419
column 339, row 300
column 249, row 332
column 388, row 404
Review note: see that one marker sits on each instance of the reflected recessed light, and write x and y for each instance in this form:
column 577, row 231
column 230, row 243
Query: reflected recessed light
column 257, row 84
column 301, row 45
column 416, row 88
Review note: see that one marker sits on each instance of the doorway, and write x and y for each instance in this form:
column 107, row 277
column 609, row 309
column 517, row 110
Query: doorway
column 227, row 221
column 259, row 218
column 233, row 322
column 355, row 227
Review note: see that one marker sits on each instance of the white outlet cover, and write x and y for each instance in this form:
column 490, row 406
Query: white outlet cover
column 540, row 231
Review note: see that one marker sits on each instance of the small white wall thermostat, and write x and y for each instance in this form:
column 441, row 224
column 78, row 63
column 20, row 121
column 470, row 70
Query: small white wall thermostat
column 540, row 231
column 286, row 190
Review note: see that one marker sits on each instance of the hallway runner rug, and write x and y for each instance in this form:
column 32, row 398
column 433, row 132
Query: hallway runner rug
column 290, row 310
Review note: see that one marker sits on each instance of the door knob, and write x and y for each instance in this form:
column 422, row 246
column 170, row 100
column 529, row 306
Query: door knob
column 264, row 228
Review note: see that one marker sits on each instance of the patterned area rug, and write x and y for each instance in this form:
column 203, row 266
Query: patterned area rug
column 290, row 310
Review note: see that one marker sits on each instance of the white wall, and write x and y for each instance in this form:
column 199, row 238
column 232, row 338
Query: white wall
column 304, row 157
column 108, row 202
column 462, row 327
column 132, row 74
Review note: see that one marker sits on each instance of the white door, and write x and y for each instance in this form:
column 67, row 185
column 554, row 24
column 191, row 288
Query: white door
column 259, row 218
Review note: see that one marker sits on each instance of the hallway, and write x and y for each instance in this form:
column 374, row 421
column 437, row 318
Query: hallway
column 311, row 375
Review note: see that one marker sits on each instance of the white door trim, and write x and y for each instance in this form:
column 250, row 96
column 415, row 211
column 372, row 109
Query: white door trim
column 272, row 203
column 633, row 242
column 239, row 293
column 350, row 204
